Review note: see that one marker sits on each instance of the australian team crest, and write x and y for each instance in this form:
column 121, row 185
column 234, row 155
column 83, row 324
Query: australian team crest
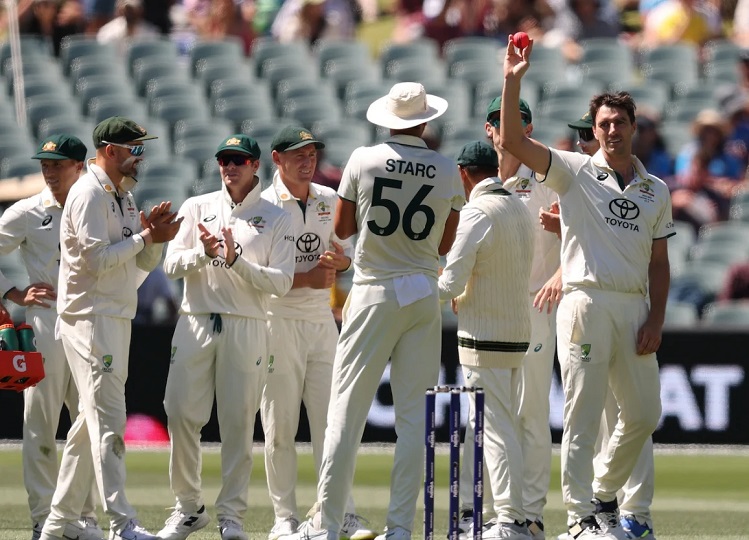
column 233, row 142
column 49, row 146
column 107, row 361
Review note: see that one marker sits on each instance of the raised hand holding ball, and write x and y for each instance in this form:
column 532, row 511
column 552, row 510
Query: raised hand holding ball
column 520, row 40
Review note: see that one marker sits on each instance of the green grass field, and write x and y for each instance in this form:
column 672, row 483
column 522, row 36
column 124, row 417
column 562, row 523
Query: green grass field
column 698, row 496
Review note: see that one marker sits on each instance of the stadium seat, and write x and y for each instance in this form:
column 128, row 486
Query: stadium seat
column 725, row 253
column 148, row 48
column 206, row 184
column 330, row 51
column 79, row 46
column 148, row 69
column 278, row 70
column 41, row 107
column 721, row 50
column 722, row 314
column 299, row 87
column 16, row 146
column 203, row 128
column 462, row 133
column 31, row 48
column 19, row 165
column 706, row 277
column 651, row 94
column 227, row 88
column 184, row 90
column 724, row 72
column 425, row 51
column 686, row 110
column 676, row 134
column 561, row 108
column 356, row 132
column 480, row 49
column 157, row 169
column 308, row 110
column 414, row 69
column 223, row 69
column 550, row 131
column 103, row 107
column 264, row 52
column 680, row 314
column 608, row 50
column 671, row 73
column 238, row 109
column 343, row 72
column 606, row 73
column 197, row 149
column 472, row 73
column 203, row 51
column 148, row 196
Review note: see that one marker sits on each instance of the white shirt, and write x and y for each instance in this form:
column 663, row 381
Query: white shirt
column 265, row 255
column 487, row 272
column 404, row 193
column 547, row 245
column 607, row 233
column 33, row 225
column 313, row 234
column 115, row 32
column 103, row 258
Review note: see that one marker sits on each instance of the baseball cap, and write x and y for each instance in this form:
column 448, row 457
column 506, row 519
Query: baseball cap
column 496, row 105
column 477, row 153
column 240, row 144
column 120, row 130
column 61, row 147
column 585, row 122
column 293, row 137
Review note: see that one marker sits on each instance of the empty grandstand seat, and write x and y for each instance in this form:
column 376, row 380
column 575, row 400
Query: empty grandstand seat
column 204, row 128
column 103, row 107
column 424, row 50
column 680, row 314
column 203, row 51
column 19, row 165
column 148, row 69
column 145, row 48
column 729, row 313
column 345, row 71
column 476, row 48
column 328, row 51
column 264, row 51
column 238, row 109
column 79, row 46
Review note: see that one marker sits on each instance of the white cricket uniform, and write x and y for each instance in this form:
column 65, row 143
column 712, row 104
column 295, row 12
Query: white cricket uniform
column 103, row 260
column 303, row 336
column 487, row 272
column 403, row 193
column 636, row 496
column 33, row 226
column 538, row 365
column 220, row 344
column 607, row 238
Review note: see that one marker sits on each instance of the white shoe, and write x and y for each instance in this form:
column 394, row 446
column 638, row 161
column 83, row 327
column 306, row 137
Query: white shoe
column 465, row 522
column 308, row 531
column 397, row 533
column 536, row 529
column 131, row 531
column 354, row 528
column 506, row 531
column 283, row 527
column 485, row 526
column 36, row 531
column 180, row 525
column 607, row 515
column 79, row 530
column 231, row 530
column 588, row 529
column 92, row 526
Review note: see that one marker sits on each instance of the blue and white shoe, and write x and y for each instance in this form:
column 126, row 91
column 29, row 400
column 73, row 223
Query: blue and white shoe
column 635, row 529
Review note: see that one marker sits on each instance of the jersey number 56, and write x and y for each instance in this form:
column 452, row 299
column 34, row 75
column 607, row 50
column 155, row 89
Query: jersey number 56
column 415, row 206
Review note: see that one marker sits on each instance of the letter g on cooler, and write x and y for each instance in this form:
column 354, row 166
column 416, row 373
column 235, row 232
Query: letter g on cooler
column 19, row 363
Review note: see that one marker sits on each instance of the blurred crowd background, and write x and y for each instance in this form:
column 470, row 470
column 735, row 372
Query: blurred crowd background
column 193, row 71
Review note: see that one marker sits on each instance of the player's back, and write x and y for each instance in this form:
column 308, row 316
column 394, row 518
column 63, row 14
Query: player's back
column 404, row 193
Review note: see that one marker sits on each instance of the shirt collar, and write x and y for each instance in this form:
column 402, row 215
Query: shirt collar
column 409, row 140
column 600, row 161
column 283, row 194
column 101, row 176
column 48, row 200
column 252, row 197
column 485, row 186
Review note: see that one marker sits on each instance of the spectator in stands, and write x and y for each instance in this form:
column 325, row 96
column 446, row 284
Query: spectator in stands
column 313, row 20
column 736, row 286
column 227, row 18
column 697, row 200
column 579, row 20
column 711, row 131
column 736, row 110
column 648, row 145
column 741, row 23
column 157, row 12
column 127, row 27
column 681, row 21
column 51, row 20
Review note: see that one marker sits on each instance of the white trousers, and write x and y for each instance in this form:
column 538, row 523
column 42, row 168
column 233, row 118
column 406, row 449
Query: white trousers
column 41, row 416
column 596, row 342
column 232, row 366
column 300, row 370
column 636, row 496
column 376, row 328
column 97, row 349
column 503, row 456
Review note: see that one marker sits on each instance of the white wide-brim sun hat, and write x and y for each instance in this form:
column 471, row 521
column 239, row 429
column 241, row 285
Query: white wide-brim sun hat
column 406, row 105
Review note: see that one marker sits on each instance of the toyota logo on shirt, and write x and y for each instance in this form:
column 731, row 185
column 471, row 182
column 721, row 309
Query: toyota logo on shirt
column 624, row 209
column 308, row 243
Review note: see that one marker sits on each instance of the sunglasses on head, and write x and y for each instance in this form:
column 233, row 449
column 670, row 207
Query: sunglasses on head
column 494, row 121
column 236, row 159
column 585, row 135
column 135, row 150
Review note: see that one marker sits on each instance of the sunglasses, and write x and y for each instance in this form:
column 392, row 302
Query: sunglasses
column 134, row 150
column 236, row 159
column 494, row 122
column 586, row 135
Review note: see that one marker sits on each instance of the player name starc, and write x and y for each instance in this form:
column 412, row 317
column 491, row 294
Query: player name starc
column 407, row 167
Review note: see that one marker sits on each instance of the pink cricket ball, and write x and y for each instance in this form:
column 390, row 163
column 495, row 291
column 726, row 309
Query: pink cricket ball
column 520, row 40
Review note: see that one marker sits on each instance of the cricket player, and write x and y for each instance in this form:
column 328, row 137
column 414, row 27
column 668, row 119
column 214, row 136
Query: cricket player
column 636, row 496
column 303, row 332
column 403, row 200
column 544, row 288
column 33, row 226
column 615, row 221
column 234, row 251
column 487, row 274
column 107, row 247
